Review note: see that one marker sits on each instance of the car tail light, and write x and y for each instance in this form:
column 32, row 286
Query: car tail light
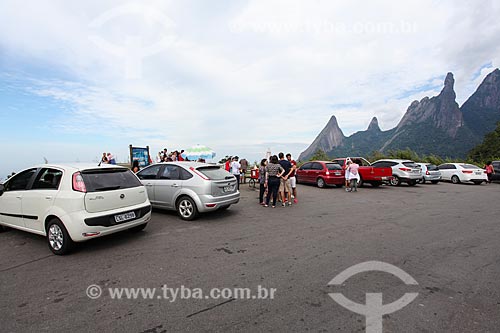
column 427, row 172
column 405, row 169
column 467, row 171
column 199, row 173
column 78, row 183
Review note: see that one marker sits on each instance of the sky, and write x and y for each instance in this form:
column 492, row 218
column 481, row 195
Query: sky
column 79, row 78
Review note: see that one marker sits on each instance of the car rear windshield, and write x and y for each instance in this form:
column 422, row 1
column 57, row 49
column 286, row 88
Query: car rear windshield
column 469, row 166
column 333, row 166
column 100, row 180
column 214, row 172
column 411, row 165
column 432, row 167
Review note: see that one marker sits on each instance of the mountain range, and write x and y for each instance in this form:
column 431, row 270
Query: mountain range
column 435, row 125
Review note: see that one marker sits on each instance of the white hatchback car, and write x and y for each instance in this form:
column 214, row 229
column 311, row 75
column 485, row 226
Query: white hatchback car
column 73, row 203
column 461, row 173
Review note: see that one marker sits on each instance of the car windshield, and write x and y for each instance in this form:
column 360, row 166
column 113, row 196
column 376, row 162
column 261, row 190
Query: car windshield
column 432, row 167
column 107, row 179
column 469, row 166
column 214, row 172
column 333, row 166
column 411, row 165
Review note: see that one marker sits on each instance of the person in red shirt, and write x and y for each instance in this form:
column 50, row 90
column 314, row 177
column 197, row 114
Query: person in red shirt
column 490, row 170
column 179, row 157
column 228, row 164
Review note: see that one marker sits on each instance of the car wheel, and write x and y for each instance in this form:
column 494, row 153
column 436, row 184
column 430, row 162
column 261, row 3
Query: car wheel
column 434, row 181
column 395, row 181
column 138, row 228
column 186, row 208
column 422, row 180
column 59, row 241
column 361, row 183
column 320, row 182
column 455, row 180
column 412, row 183
column 477, row 183
column 376, row 184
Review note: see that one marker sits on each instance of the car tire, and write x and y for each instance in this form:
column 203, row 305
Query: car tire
column 434, row 181
column 422, row 180
column 138, row 228
column 224, row 207
column 395, row 181
column 478, row 183
column 2, row 228
column 412, row 183
column 186, row 208
column 320, row 182
column 58, row 239
column 455, row 180
column 376, row 184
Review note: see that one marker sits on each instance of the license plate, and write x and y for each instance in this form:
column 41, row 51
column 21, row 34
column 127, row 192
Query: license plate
column 478, row 173
column 124, row 217
column 228, row 188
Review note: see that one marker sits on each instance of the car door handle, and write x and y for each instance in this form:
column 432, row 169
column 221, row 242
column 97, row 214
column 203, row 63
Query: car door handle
column 174, row 185
column 19, row 197
column 149, row 184
column 48, row 197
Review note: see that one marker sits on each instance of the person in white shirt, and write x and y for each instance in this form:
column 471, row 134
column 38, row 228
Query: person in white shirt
column 235, row 170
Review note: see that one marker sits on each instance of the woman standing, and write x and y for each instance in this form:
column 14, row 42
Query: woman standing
column 262, row 180
column 489, row 171
column 274, row 171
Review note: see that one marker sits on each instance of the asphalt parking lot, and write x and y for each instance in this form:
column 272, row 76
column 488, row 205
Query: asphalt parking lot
column 444, row 236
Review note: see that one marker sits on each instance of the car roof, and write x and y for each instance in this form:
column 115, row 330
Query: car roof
column 77, row 166
column 394, row 160
column 188, row 164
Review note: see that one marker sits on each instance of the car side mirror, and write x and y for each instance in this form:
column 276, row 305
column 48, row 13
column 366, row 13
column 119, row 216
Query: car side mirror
column 2, row 189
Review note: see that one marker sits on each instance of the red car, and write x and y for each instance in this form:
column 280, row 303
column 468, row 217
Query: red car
column 321, row 173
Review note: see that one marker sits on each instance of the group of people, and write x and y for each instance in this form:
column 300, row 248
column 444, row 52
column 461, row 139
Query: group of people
column 174, row 156
column 107, row 158
column 277, row 177
column 238, row 168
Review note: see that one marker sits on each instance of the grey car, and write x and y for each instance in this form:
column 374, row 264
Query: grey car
column 189, row 188
column 430, row 173
column 403, row 171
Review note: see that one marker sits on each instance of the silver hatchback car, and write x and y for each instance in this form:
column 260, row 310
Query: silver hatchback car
column 189, row 187
column 430, row 173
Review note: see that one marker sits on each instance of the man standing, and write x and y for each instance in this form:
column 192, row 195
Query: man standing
column 285, row 182
column 293, row 180
column 235, row 170
column 244, row 167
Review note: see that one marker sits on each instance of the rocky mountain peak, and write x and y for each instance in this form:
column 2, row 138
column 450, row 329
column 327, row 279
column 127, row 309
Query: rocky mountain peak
column 482, row 109
column 329, row 138
column 374, row 125
column 441, row 110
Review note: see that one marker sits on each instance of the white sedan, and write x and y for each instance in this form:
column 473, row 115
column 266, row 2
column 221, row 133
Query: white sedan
column 462, row 173
column 73, row 203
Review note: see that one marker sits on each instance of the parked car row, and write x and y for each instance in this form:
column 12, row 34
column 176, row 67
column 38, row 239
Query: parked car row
column 75, row 203
column 390, row 171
